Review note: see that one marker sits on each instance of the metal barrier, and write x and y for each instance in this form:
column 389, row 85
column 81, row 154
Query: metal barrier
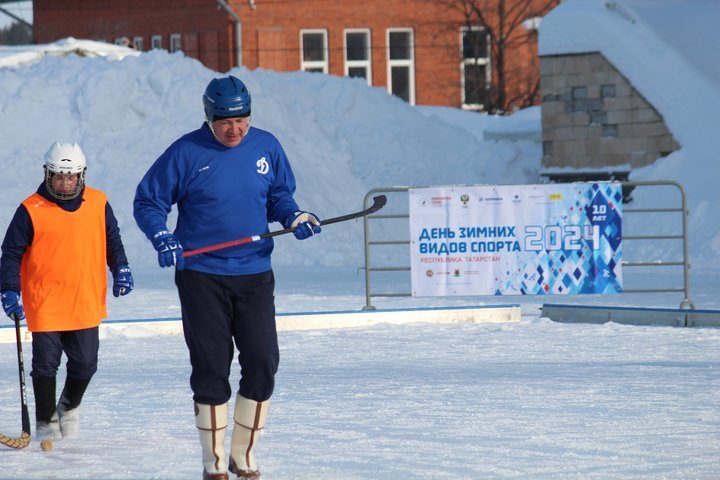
column 371, row 242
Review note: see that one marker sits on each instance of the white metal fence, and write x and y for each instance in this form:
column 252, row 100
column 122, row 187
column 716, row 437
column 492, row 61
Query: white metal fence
column 642, row 234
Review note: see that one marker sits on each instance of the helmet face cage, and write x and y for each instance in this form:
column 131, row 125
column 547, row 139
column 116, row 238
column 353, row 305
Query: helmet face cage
column 66, row 159
column 226, row 98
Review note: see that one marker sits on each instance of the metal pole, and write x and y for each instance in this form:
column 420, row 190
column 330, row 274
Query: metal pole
column 686, row 303
column 238, row 30
column 367, row 306
column 15, row 17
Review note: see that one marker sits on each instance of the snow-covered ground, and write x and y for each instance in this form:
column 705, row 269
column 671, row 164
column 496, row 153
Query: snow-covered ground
column 533, row 399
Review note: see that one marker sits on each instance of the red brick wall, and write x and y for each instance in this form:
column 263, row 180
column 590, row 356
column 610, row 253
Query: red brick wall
column 435, row 58
column 107, row 20
column 208, row 34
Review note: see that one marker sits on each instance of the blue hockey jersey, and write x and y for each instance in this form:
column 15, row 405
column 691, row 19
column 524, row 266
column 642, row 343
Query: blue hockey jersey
column 221, row 194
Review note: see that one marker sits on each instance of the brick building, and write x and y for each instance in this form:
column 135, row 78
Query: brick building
column 594, row 119
column 426, row 52
column 603, row 86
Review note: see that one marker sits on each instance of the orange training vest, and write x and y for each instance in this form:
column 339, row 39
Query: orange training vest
column 63, row 273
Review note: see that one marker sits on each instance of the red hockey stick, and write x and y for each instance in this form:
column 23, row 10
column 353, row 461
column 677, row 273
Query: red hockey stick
column 378, row 203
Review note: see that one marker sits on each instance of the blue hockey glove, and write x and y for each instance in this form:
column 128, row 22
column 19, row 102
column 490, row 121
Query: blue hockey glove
column 11, row 304
column 170, row 252
column 122, row 281
column 305, row 224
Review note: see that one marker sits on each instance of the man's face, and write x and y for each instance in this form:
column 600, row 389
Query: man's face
column 64, row 183
column 231, row 131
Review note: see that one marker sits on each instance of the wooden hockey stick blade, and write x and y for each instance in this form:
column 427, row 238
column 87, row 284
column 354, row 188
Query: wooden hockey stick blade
column 18, row 443
column 378, row 203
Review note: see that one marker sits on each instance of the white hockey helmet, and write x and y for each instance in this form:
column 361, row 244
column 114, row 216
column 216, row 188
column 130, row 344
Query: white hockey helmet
column 65, row 158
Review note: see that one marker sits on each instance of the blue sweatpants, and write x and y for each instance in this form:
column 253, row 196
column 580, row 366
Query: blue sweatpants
column 217, row 310
column 80, row 346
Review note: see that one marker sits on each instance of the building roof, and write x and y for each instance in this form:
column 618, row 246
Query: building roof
column 667, row 50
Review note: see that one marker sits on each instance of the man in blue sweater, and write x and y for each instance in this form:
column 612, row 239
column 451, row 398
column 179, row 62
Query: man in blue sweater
column 228, row 180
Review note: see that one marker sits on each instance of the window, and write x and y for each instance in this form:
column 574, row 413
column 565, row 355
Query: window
column 609, row 130
column 175, row 45
column 313, row 45
column 358, row 62
column 122, row 41
column 547, row 148
column 137, row 44
column 607, row 90
column 475, row 67
column 156, row 42
column 401, row 64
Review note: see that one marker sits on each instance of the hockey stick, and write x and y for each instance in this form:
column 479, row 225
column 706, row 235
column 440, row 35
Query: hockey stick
column 24, row 439
column 378, row 203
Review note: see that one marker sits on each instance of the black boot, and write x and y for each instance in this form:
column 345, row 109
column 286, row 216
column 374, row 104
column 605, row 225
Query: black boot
column 73, row 392
column 46, row 418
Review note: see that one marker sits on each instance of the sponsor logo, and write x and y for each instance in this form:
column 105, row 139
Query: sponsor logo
column 263, row 166
column 440, row 201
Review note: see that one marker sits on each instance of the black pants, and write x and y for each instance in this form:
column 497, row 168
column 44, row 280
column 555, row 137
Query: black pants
column 218, row 309
column 80, row 346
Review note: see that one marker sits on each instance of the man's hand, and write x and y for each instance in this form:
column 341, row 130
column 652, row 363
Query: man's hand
column 122, row 281
column 170, row 252
column 305, row 224
column 11, row 304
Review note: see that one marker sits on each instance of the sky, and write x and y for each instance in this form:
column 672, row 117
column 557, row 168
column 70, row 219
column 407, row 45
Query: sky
column 23, row 10
column 531, row 399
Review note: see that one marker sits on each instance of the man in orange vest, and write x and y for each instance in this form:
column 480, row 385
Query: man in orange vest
column 55, row 252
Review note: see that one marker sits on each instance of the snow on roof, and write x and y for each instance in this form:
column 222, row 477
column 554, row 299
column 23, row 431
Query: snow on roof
column 596, row 23
column 667, row 50
column 11, row 56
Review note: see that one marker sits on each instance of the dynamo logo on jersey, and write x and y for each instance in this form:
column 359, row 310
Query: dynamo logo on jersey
column 263, row 166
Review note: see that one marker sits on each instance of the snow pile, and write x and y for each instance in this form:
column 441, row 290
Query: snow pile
column 343, row 138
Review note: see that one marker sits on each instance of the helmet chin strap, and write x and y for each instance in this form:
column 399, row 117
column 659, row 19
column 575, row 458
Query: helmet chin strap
column 209, row 124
